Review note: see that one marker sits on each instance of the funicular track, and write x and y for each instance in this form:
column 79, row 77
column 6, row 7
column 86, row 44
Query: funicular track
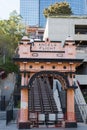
column 41, row 97
column 41, row 101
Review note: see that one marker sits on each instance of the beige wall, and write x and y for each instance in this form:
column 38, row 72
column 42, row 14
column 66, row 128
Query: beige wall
column 60, row 28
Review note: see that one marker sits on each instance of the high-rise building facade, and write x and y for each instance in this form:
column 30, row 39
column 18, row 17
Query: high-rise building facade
column 32, row 10
column 29, row 10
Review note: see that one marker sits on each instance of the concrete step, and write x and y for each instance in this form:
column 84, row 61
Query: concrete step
column 2, row 115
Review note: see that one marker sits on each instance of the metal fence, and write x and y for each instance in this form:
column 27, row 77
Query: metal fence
column 2, row 103
column 9, row 116
column 83, row 111
column 9, row 111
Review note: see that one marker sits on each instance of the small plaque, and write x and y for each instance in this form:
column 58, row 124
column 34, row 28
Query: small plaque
column 59, row 55
column 35, row 54
column 24, row 105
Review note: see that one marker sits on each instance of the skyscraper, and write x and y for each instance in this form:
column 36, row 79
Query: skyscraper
column 32, row 10
column 29, row 10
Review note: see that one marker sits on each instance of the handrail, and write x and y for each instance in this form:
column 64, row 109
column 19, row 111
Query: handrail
column 60, row 107
column 59, row 94
column 49, row 96
column 81, row 103
column 82, row 48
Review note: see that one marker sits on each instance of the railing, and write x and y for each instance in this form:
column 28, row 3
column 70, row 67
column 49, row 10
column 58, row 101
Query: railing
column 57, row 86
column 83, row 111
column 57, row 97
column 81, row 103
column 18, row 118
column 9, row 110
column 82, row 48
column 9, row 116
column 2, row 103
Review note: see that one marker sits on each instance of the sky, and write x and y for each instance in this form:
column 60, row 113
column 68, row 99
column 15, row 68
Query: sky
column 7, row 6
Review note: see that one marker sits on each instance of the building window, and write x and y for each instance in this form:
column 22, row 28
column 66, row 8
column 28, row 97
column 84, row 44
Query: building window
column 80, row 29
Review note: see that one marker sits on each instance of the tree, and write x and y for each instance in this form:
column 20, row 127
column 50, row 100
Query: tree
column 11, row 31
column 61, row 8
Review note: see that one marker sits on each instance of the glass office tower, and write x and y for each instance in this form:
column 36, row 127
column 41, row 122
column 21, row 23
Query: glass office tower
column 32, row 10
column 29, row 10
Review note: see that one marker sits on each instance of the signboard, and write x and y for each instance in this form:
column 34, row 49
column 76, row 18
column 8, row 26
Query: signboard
column 48, row 47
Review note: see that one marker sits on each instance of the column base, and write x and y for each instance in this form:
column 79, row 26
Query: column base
column 23, row 125
column 70, row 124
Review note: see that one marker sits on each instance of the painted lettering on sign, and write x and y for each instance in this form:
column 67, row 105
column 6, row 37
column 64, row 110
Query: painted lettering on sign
column 46, row 47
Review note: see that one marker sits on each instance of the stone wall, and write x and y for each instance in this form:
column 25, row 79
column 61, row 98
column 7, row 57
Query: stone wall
column 7, row 85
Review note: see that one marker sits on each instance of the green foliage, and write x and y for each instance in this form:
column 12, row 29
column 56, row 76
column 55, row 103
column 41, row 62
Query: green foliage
column 11, row 32
column 9, row 67
column 85, row 98
column 61, row 8
column 18, row 105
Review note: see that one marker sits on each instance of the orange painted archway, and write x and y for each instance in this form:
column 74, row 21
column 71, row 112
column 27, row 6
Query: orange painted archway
column 47, row 58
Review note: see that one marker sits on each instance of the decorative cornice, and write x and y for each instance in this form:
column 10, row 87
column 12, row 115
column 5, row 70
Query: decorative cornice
column 46, row 60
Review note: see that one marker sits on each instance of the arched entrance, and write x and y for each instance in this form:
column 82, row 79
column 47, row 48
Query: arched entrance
column 42, row 98
column 47, row 59
column 57, row 75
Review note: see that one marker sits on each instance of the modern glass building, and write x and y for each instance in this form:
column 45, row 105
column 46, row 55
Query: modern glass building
column 32, row 10
column 29, row 10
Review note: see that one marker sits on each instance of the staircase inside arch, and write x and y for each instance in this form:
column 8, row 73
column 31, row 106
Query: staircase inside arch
column 41, row 97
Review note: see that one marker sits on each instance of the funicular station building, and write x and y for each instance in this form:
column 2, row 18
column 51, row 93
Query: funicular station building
column 47, row 82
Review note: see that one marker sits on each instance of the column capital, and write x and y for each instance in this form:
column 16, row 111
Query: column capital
column 73, row 87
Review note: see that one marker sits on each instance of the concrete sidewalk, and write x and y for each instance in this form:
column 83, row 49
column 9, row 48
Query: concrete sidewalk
column 11, row 126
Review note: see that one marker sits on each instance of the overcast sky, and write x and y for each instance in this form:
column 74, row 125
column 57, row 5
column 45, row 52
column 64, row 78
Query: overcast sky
column 7, row 6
